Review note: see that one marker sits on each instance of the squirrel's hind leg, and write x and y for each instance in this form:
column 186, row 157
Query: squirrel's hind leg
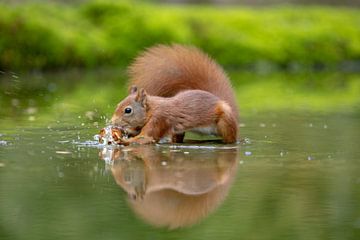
column 226, row 124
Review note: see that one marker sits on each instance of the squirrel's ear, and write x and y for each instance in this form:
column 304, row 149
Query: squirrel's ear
column 141, row 97
column 133, row 89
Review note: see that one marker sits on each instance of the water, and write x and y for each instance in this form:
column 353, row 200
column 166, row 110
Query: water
column 294, row 175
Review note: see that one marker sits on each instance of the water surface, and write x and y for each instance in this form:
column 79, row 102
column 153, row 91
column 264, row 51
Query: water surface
column 294, row 175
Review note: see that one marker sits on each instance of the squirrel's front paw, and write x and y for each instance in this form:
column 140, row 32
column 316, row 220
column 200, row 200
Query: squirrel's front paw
column 141, row 140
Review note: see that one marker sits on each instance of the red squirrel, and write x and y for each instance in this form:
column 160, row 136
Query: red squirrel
column 176, row 89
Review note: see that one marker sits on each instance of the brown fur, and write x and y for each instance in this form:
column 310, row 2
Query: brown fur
column 169, row 106
column 166, row 70
column 227, row 125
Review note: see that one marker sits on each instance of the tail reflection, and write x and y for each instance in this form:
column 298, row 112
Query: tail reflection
column 173, row 188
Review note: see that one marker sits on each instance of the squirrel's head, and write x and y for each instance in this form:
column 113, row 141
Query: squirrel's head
column 130, row 113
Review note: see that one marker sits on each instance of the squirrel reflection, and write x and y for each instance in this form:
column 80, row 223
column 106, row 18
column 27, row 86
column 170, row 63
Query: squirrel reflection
column 173, row 188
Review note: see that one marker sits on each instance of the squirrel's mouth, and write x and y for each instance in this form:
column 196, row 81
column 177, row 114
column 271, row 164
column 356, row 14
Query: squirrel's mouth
column 126, row 129
column 129, row 131
column 132, row 132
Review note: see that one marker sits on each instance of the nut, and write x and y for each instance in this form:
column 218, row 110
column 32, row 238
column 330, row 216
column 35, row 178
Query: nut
column 110, row 135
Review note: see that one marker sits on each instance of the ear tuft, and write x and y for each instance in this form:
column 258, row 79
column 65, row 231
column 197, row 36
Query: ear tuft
column 141, row 97
column 133, row 89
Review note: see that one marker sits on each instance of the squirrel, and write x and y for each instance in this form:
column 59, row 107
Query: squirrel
column 176, row 88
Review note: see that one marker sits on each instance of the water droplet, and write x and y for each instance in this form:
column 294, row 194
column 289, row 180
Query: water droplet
column 247, row 140
column 63, row 152
column 96, row 137
column 247, row 153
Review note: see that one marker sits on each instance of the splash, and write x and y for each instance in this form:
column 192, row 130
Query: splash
column 110, row 135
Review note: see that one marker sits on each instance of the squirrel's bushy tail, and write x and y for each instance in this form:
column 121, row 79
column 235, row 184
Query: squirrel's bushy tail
column 166, row 70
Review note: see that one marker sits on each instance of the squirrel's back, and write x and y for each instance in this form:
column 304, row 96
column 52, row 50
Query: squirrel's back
column 166, row 70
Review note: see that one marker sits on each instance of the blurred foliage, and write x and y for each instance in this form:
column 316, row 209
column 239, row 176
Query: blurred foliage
column 53, row 35
column 91, row 96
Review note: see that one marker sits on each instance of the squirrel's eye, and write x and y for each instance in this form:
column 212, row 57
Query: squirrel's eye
column 127, row 110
